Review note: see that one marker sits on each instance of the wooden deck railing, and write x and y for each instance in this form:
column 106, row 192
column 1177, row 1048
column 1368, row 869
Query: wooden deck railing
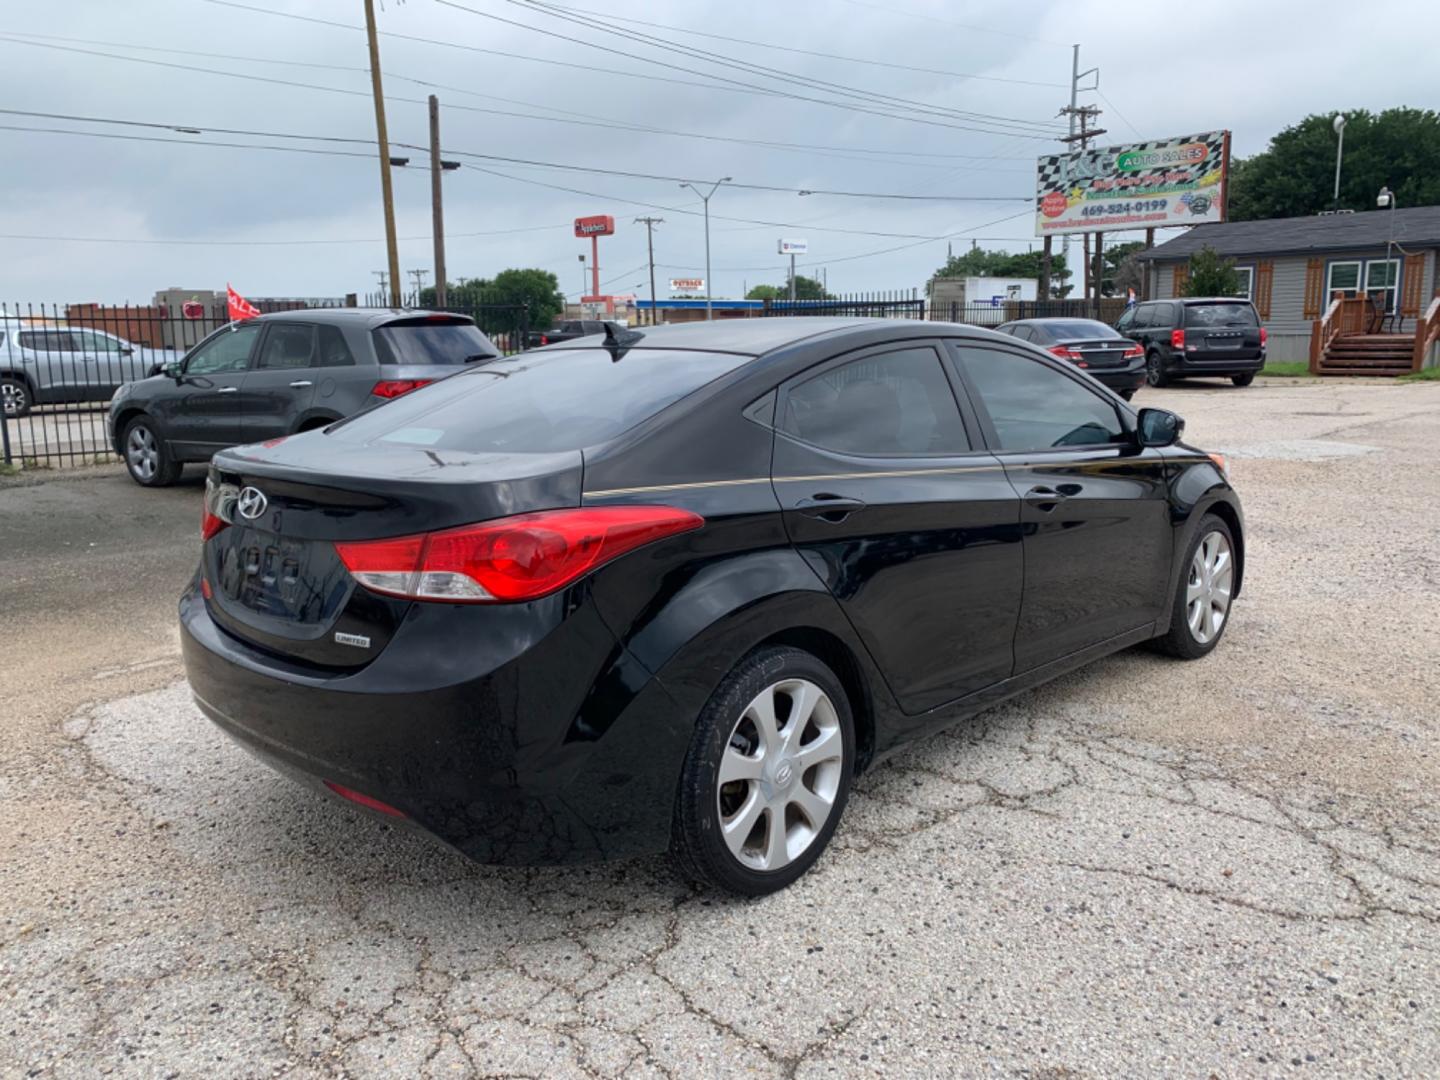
column 1427, row 333
column 1345, row 315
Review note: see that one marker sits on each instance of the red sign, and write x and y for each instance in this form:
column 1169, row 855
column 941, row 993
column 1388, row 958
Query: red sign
column 1053, row 205
column 239, row 307
column 598, row 225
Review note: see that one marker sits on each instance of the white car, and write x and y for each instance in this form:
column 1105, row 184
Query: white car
column 42, row 363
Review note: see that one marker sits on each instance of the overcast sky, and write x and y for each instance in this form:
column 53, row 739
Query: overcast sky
column 1250, row 67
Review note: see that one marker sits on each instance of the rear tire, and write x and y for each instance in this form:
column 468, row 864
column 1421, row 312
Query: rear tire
column 15, row 397
column 1243, row 380
column 1204, row 595
column 147, row 458
column 1155, row 371
column 767, row 776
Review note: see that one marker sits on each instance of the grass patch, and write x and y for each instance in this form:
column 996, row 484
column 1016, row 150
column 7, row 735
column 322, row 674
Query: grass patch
column 1429, row 374
column 1287, row 370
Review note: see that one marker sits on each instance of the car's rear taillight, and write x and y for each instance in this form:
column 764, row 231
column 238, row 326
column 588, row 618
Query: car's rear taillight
column 1177, row 339
column 510, row 559
column 1064, row 352
column 1132, row 352
column 210, row 524
column 393, row 388
column 544, row 340
column 1263, row 336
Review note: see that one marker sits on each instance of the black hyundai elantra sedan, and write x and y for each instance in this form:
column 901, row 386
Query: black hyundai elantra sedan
column 673, row 589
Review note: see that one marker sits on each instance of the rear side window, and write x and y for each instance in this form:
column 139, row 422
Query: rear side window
column 539, row 402
column 47, row 340
column 288, row 346
column 892, row 404
column 1220, row 315
column 332, row 349
column 422, row 341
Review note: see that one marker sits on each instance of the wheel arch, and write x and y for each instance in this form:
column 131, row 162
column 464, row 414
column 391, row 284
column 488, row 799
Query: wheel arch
column 122, row 421
column 316, row 418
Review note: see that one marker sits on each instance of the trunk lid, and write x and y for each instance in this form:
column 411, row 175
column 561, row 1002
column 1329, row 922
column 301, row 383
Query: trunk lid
column 1102, row 352
column 274, row 576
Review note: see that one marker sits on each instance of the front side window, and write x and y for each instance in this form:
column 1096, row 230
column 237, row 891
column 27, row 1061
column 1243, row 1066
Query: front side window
column 93, row 341
column 1034, row 407
column 227, row 351
column 288, row 346
column 893, row 404
column 1145, row 316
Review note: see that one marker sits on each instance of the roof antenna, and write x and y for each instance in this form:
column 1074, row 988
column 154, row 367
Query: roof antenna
column 619, row 339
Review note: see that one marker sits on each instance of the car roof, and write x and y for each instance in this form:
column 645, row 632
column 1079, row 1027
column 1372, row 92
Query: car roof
column 1205, row 300
column 348, row 316
column 752, row 336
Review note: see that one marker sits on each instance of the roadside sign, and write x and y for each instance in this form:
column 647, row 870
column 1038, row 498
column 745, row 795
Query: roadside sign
column 687, row 284
column 794, row 246
column 596, row 225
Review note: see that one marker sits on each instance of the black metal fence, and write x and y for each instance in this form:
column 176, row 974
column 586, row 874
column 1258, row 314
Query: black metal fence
column 61, row 363
column 910, row 305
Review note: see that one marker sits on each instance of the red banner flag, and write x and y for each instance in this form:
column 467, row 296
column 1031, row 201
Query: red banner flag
column 240, row 308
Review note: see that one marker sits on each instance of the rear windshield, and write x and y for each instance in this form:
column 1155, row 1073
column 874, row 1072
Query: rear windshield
column 425, row 342
column 1080, row 330
column 1240, row 314
column 539, row 402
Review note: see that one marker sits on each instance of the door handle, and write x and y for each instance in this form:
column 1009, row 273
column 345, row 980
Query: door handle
column 228, row 390
column 1044, row 499
column 829, row 507
column 301, row 382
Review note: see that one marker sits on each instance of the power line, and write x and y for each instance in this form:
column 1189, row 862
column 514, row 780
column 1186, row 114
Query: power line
column 676, row 47
column 197, row 130
column 890, row 10
column 811, row 52
column 589, row 121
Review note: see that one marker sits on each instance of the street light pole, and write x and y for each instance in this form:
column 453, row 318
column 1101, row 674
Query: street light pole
column 1339, row 125
column 705, row 198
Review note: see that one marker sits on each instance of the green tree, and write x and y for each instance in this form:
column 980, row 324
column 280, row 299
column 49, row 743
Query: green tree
column 1398, row 148
column 1210, row 275
column 806, row 288
column 507, row 291
column 980, row 262
column 1121, row 270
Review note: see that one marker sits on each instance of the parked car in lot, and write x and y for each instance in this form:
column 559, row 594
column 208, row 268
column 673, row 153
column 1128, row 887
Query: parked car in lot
column 1098, row 349
column 566, row 330
column 50, row 363
column 675, row 588
column 1197, row 336
column 279, row 374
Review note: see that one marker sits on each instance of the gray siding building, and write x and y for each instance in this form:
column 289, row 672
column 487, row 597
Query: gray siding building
column 1290, row 267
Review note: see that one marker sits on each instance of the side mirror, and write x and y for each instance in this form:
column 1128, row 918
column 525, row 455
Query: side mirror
column 1159, row 427
column 126, row 350
column 173, row 370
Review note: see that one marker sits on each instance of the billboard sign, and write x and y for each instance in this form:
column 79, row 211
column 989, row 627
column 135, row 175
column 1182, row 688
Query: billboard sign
column 687, row 284
column 598, row 225
column 794, row 246
column 1179, row 181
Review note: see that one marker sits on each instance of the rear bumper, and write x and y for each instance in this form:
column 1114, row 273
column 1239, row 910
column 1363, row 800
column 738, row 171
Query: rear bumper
column 1236, row 362
column 1130, row 377
column 535, row 746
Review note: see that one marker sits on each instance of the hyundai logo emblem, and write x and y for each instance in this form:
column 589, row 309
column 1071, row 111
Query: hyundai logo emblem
column 251, row 503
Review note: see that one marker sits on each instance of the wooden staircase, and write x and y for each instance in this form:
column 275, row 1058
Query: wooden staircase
column 1346, row 341
column 1368, row 354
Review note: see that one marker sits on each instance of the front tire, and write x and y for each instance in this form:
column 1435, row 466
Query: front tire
column 1243, row 380
column 767, row 776
column 1203, row 597
column 147, row 458
column 1155, row 371
column 15, row 397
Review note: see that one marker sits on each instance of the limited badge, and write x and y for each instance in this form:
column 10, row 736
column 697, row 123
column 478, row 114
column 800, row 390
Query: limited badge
column 360, row 641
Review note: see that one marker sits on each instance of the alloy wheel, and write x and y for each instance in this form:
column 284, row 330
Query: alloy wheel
column 142, row 452
column 780, row 774
column 1207, row 591
column 1154, row 375
column 13, row 398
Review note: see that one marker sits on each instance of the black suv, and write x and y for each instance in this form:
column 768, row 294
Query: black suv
column 1197, row 336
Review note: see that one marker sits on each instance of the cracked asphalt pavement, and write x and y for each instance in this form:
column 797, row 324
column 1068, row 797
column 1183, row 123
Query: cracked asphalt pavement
column 1222, row 868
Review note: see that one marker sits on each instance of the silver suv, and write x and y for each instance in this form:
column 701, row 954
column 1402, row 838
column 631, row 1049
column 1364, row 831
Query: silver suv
column 278, row 374
column 42, row 364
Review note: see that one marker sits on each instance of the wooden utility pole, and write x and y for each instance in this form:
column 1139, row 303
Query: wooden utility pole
column 650, row 223
column 437, row 214
column 387, row 195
